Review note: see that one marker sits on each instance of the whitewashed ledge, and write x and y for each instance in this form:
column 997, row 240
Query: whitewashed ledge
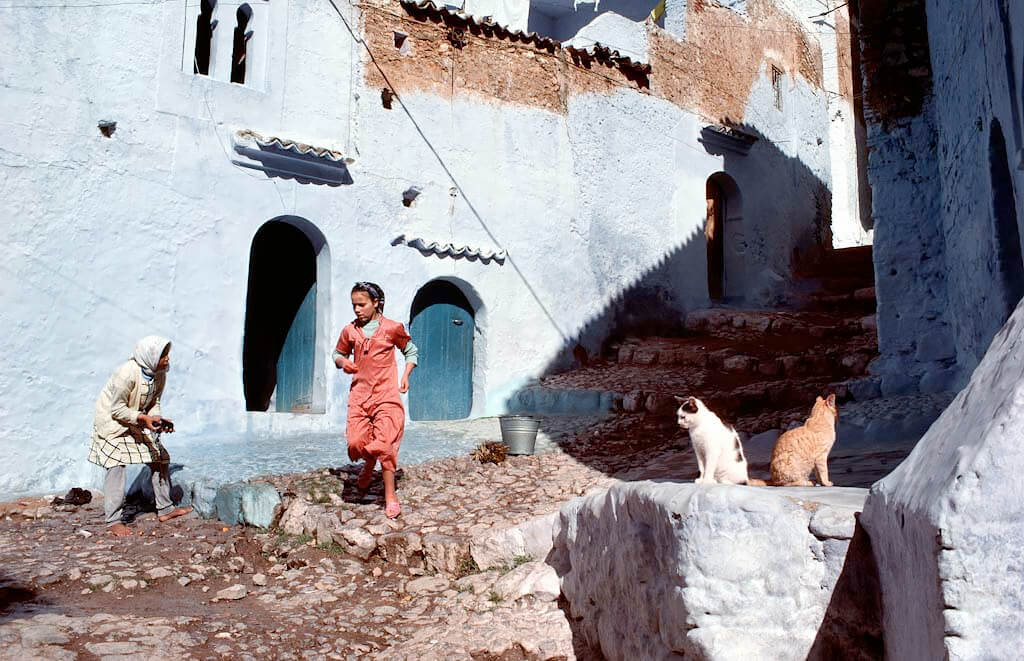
column 656, row 570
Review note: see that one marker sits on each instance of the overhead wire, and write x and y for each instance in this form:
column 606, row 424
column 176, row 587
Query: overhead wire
column 450, row 174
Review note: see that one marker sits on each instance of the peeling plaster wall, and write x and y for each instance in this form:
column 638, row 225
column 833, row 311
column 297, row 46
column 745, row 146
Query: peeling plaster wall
column 930, row 100
column 596, row 189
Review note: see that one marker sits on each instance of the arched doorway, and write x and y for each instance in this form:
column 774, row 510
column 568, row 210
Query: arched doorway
column 1004, row 211
column 723, row 233
column 442, row 326
column 279, row 354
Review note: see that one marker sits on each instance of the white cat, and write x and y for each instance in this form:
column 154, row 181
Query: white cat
column 717, row 446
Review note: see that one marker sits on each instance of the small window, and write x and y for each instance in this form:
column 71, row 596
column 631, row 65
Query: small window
column 241, row 41
column 777, row 85
column 205, row 25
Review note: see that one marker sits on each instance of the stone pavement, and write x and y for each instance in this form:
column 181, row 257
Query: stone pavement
column 333, row 579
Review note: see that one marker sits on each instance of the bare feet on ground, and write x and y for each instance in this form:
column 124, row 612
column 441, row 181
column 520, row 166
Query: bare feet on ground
column 175, row 513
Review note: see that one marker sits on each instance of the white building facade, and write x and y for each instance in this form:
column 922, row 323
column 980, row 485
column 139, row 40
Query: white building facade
column 562, row 194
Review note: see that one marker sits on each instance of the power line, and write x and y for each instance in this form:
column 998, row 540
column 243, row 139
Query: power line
column 448, row 172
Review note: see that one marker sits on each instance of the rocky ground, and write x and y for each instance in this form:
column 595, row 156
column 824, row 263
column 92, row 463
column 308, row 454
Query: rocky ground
column 334, row 579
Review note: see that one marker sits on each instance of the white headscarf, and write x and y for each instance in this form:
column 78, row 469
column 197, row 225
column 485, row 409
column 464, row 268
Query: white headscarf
column 147, row 353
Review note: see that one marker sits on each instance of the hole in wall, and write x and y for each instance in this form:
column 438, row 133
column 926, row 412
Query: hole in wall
column 107, row 127
column 410, row 194
column 386, row 97
column 402, row 43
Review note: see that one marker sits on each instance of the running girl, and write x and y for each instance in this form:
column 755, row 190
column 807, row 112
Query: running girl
column 376, row 418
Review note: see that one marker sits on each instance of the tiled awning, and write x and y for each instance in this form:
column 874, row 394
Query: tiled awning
column 290, row 159
column 449, row 250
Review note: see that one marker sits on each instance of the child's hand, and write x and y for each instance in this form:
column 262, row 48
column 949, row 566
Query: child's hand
column 403, row 387
column 349, row 366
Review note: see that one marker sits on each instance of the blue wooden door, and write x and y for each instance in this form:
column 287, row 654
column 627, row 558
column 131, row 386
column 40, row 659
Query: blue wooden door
column 295, row 364
column 441, row 386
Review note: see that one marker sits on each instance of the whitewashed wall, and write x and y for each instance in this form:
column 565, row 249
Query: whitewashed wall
column 940, row 300
column 149, row 231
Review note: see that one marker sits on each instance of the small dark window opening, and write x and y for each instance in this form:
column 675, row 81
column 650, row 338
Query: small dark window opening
column 386, row 96
column 205, row 25
column 241, row 41
column 403, row 43
column 777, row 85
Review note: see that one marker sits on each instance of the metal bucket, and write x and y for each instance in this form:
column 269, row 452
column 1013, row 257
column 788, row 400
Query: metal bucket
column 519, row 433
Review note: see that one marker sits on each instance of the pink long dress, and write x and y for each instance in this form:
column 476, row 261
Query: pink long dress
column 376, row 418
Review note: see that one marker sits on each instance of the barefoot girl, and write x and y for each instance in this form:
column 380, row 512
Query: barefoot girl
column 127, row 408
column 376, row 418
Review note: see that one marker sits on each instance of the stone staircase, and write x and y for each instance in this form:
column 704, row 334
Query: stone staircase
column 759, row 369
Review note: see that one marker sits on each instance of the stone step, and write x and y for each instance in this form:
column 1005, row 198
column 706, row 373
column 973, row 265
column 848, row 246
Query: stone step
column 717, row 320
column 812, row 361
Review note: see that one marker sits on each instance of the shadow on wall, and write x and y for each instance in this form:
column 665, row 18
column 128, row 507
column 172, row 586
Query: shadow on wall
column 655, row 304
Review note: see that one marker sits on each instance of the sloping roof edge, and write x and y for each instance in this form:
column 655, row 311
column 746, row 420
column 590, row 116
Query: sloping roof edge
column 426, row 8
column 449, row 250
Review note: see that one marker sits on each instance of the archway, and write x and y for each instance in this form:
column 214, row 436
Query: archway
column 284, row 312
column 1004, row 211
column 724, row 235
column 442, row 324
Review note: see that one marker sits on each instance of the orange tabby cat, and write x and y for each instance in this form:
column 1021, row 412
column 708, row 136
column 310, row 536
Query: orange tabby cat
column 806, row 447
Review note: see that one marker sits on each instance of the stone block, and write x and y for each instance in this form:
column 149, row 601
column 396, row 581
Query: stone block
column 947, row 525
column 326, row 525
column 662, row 403
column 228, row 503
column 689, row 571
column 442, row 553
column 535, row 579
column 402, row 548
column 259, row 503
column 202, row 494
column 634, row 401
column 865, row 388
column 739, row 364
column 293, row 519
column 357, row 542
column 532, row 538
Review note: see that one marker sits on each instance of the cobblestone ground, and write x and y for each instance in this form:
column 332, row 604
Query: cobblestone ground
column 333, row 579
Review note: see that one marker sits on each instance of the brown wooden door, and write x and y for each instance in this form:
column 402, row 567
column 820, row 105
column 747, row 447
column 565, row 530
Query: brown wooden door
column 714, row 226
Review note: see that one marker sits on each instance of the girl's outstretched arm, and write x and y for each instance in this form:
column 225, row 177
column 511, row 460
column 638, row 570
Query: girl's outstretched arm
column 403, row 387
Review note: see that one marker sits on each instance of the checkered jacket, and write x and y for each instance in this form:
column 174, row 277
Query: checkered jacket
column 117, row 439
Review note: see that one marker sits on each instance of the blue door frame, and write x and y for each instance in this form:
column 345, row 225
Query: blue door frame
column 442, row 326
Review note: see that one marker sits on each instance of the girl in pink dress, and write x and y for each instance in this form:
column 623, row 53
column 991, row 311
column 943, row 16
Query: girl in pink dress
column 376, row 418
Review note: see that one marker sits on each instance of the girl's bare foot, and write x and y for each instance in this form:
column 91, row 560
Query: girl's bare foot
column 175, row 513
column 393, row 509
column 119, row 530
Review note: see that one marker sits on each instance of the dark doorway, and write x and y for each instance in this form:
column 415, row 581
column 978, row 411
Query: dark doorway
column 442, row 326
column 714, row 231
column 1004, row 211
column 280, row 320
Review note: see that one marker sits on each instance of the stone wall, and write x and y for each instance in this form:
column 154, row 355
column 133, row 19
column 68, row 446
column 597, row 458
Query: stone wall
column 941, row 84
column 946, row 524
column 655, row 570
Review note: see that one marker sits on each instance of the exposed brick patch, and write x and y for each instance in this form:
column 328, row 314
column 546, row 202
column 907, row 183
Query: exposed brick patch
column 895, row 57
column 711, row 72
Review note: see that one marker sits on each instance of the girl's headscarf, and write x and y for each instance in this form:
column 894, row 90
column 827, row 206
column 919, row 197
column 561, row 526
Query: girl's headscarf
column 147, row 353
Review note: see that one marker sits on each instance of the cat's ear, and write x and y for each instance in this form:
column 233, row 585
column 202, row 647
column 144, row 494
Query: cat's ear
column 818, row 399
column 831, row 401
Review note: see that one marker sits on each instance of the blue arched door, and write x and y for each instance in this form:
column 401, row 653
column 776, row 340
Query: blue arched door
column 441, row 387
